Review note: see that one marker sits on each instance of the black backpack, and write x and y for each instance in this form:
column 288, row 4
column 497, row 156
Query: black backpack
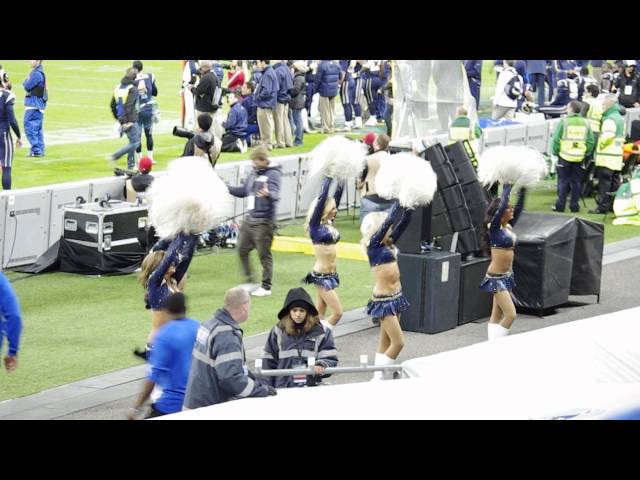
column 514, row 87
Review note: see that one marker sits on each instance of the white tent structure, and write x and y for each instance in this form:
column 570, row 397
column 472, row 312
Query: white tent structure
column 426, row 95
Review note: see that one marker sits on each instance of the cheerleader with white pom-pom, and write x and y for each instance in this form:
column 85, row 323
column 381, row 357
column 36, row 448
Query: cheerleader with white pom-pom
column 324, row 237
column 507, row 165
column 387, row 301
column 499, row 280
column 163, row 272
column 336, row 158
column 412, row 182
column 190, row 199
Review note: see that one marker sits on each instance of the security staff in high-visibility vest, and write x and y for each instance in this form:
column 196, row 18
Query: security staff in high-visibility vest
column 609, row 151
column 592, row 108
column 573, row 141
column 463, row 128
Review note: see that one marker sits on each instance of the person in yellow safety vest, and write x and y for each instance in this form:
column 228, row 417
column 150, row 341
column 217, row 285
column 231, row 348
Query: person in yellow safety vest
column 463, row 128
column 592, row 108
column 608, row 151
column 573, row 141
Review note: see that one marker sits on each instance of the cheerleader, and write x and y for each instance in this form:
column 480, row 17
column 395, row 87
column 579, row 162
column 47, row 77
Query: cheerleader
column 324, row 237
column 378, row 237
column 163, row 272
column 500, row 218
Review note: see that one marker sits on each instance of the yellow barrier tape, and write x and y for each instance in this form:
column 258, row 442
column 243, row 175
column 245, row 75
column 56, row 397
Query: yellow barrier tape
column 350, row 251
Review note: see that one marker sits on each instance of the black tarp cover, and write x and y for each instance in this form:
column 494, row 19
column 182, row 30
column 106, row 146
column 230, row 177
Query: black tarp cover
column 66, row 256
column 543, row 262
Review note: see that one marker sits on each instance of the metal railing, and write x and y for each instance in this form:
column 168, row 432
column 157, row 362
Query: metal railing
column 311, row 361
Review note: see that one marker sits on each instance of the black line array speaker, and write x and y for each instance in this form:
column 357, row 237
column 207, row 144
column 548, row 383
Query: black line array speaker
column 474, row 303
column 418, row 230
column 431, row 283
column 467, row 241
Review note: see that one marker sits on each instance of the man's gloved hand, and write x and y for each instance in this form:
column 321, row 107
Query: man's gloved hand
column 271, row 391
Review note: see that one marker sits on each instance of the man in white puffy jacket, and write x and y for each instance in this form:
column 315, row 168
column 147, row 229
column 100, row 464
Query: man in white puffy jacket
column 504, row 104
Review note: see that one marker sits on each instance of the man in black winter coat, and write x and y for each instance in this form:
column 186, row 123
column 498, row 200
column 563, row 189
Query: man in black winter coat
column 208, row 92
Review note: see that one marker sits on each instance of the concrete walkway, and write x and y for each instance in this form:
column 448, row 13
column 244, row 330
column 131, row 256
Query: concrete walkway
column 354, row 335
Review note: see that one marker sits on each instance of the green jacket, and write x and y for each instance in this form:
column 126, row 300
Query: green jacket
column 573, row 119
column 610, row 144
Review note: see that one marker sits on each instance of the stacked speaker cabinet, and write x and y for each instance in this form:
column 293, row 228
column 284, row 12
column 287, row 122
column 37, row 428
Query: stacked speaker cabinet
column 431, row 284
column 475, row 304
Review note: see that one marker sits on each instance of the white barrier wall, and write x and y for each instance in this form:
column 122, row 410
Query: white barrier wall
column 26, row 225
column 61, row 195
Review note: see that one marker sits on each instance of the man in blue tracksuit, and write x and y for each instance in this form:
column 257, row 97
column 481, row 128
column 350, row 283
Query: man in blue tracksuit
column 474, row 77
column 536, row 70
column 235, row 127
column 10, row 323
column 35, row 102
column 147, row 90
column 327, row 85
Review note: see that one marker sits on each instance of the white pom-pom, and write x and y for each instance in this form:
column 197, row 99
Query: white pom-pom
column 408, row 178
column 338, row 157
column 524, row 166
column 191, row 198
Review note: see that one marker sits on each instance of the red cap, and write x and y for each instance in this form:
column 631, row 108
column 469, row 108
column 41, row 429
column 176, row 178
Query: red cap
column 145, row 164
column 369, row 138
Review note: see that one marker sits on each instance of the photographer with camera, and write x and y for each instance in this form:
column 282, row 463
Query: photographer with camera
column 124, row 106
column 201, row 142
column 137, row 181
column 235, row 127
column 208, row 92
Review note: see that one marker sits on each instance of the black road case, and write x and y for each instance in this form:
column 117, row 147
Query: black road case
column 106, row 226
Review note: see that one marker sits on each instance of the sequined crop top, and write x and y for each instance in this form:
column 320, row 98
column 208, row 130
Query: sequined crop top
column 179, row 252
column 504, row 237
column 378, row 252
column 321, row 233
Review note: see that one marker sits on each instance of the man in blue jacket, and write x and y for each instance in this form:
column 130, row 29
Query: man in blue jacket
column 284, row 138
column 10, row 323
column 474, row 77
column 266, row 96
column 327, row 83
column 169, row 361
column 536, row 69
column 262, row 190
column 235, row 127
column 248, row 100
column 35, row 101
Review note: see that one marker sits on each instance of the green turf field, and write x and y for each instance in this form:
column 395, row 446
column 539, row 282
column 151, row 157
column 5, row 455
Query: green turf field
column 76, row 326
